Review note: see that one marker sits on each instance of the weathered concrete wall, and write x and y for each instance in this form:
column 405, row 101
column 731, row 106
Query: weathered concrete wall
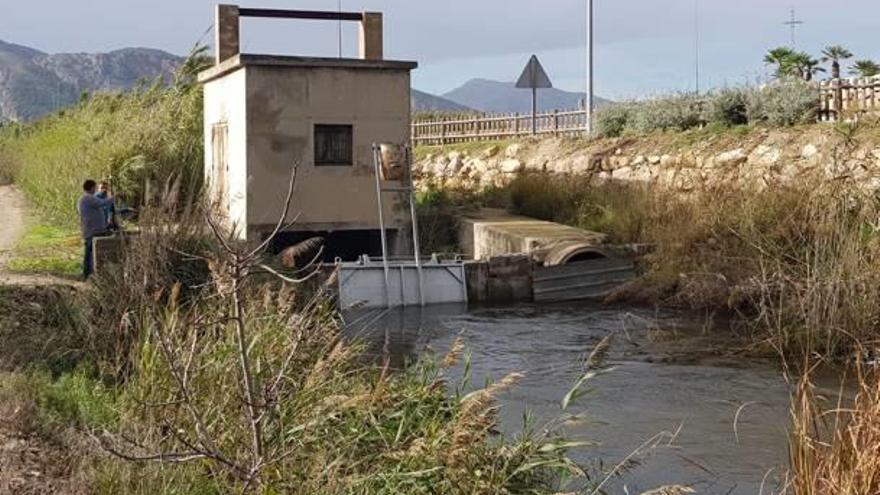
column 284, row 104
column 271, row 105
column 760, row 158
column 500, row 279
column 490, row 232
column 225, row 104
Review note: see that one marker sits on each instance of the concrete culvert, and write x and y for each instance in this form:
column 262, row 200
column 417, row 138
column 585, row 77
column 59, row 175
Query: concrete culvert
column 574, row 252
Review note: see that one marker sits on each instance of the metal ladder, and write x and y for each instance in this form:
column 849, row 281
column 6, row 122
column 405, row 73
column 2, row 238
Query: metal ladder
column 409, row 190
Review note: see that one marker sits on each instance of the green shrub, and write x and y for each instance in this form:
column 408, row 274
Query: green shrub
column 613, row 120
column 784, row 103
column 728, row 107
column 438, row 222
column 673, row 113
column 77, row 399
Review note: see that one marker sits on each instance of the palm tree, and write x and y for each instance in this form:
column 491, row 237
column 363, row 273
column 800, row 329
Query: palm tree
column 865, row 68
column 781, row 58
column 805, row 65
column 835, row 54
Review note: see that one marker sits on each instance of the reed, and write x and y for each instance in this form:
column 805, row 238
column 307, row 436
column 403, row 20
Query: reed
column 137, row 138
column 835, row 447
column 798, row 262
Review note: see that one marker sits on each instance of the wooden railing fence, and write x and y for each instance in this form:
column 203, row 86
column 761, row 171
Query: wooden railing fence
column 493, row 127
column 848, row 96
column 839, row 97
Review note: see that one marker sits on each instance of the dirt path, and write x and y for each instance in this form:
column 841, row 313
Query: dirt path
column 13, row 206
column 29, row 464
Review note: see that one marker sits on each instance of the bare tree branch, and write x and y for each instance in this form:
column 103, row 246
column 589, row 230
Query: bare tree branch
column 291, row 186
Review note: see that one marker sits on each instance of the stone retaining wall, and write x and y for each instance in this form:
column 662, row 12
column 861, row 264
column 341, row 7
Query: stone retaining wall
column 759, row 158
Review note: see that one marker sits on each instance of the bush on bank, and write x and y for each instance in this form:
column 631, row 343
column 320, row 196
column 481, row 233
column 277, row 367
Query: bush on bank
column 783, row 103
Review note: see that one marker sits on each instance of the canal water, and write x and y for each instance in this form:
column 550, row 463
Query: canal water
column 729, row 415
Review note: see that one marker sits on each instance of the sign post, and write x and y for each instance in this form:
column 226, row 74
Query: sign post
column 534, row 77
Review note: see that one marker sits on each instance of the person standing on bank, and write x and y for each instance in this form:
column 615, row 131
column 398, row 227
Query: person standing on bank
column 92, row 221
column 109, row 210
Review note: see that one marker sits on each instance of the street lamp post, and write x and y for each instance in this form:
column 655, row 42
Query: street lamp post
column 589, row 102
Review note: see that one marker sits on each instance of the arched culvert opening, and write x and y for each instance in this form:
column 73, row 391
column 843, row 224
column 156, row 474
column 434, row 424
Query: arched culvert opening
column 586, row 256
column 572, row 253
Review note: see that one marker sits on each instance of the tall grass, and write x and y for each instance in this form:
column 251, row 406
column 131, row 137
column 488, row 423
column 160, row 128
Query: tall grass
column 799, row 262
column 835, row 446
column 137, row 138
column 337, row 426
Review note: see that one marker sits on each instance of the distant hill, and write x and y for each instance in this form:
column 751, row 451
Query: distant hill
column 504, row 97
column 33, row 83
column 426, row 102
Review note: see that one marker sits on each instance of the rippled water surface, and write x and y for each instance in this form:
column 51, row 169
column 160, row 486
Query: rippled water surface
column 655, row 384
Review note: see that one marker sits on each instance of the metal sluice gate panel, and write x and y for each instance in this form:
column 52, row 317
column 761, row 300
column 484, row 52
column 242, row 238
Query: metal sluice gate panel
column 362, row 284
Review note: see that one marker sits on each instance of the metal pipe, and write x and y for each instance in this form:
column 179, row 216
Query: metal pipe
column 415, row 223
column 377, row 165
column 534, row 111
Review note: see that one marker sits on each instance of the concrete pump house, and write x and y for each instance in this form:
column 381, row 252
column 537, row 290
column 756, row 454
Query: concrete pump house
column 266, row 113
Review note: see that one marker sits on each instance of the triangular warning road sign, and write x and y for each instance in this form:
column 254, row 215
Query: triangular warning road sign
column 533, row 76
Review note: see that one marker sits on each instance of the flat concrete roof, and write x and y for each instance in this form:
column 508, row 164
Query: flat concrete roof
column 246, row 59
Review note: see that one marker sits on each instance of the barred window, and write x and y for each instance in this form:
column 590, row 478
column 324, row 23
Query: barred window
column 333, row 145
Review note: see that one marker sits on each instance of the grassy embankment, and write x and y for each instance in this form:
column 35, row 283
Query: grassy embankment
column 152, row 381
column 138, row 140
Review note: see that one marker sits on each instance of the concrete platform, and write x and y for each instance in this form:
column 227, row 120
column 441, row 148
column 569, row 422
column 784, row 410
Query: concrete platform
column 494, row 232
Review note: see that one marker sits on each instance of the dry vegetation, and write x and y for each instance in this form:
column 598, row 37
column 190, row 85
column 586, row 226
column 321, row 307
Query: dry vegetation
column 797, row 262
column 194, row 368
column 835, row 447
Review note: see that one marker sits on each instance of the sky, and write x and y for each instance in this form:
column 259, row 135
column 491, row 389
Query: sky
column 643, row 47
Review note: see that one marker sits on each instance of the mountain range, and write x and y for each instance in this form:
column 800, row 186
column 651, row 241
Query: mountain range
column 504, row 97
column 34, row 83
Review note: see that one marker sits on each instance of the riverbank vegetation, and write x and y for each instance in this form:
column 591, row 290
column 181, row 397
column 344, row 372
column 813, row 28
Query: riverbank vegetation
column 795, row 260
column 798, row 263
column 201, row 379
column 136, row 139
column 835, row 444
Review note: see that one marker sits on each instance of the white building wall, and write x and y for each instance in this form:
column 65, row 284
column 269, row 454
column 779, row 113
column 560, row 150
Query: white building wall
column 225, row 104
